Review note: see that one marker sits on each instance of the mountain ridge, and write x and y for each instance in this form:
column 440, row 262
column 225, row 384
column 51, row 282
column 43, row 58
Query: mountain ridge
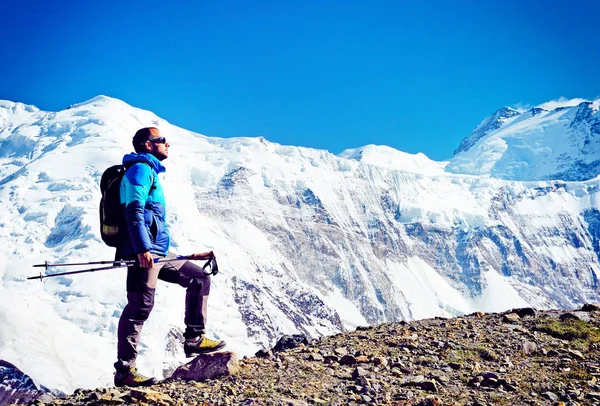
column 308, row 242
column 521, row 356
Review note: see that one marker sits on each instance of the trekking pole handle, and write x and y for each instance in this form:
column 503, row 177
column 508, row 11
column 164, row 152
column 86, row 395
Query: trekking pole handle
column 200, row 256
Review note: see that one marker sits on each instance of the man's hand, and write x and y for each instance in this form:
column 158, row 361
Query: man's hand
column 145, row 259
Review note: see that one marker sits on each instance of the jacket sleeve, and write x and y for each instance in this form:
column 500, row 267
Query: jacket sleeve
column 138, row 182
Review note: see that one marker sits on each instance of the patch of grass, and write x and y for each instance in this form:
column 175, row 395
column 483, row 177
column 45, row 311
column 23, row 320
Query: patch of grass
column 501, row 400
column 487, row 353
column 461, row 356
column 571, row 330
column 579, row 374
column 581, row 345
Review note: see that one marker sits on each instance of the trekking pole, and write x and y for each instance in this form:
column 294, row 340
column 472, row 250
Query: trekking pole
column 210, row 256
column 41, row 276
column 47, row 265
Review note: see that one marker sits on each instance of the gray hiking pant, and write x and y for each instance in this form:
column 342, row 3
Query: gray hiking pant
column 141, row 286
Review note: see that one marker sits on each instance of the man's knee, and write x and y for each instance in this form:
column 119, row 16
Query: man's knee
column 199, row 285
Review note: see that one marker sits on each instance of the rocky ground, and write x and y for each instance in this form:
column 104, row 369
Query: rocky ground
column 520, row 357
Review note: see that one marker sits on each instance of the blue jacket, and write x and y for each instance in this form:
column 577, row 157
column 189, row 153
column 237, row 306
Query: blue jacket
column 143, row 204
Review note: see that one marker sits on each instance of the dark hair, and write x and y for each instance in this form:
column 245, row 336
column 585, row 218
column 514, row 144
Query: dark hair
column 141, row 136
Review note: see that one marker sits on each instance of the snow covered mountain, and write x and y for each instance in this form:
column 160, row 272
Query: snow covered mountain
column 307, row 241
column 558, row 140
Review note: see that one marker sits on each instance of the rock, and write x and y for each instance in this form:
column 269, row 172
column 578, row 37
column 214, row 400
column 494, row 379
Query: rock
column 340, row 351
column 550, row 396
column 264, row 354
column 576, row 354
column 287, row 342
column 293, row 402
column 358, row 372
column 488, row 375
column 529, row 347
column 553, row 353
column 362, row 359
column 589, row 307
column 208, row 366
column 430, row 386
column 380, row 361
column 348, row 360
column 316, row 357
column 414, row 380
column 569, row 316
column 330, row 359
column 524, row 311
column 151, row 396
column 593, row 395
column 511, row 318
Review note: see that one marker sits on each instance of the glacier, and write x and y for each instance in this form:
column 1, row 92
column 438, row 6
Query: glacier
column 307, row 241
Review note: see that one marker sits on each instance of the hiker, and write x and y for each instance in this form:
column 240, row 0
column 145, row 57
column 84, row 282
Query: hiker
column 146, row 237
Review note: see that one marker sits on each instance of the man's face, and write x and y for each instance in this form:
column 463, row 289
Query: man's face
column 157, row 145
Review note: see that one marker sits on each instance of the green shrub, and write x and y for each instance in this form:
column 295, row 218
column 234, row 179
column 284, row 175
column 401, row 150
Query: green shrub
column 571, row 330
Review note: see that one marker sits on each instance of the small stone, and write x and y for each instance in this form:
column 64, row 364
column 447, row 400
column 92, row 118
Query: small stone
column 340, row 351
column 151, row 396
column 524, row 311
column 331, row 359
column 348, row 360
column 550, row 396
column 263, row 354
column 288, row 342
column 412, row 380
column 553, row 353
column 315, row 357
column 529, row 347
column 488, row 375
column 382, row 361
column 358, row 372
column 430, row 386
column 397, row 372
column 511, row 318
column 455, row 365
column 576, row 354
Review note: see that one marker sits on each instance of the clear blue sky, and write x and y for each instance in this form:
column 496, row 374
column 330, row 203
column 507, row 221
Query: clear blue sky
column 329, row 74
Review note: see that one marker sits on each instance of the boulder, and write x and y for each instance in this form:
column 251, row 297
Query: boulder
column 208, row 366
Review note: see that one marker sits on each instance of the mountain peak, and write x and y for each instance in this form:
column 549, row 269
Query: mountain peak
column 100, row 100
column 489, row 124
column 556, row 140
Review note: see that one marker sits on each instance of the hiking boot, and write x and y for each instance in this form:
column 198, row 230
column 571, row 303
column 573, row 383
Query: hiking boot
column 202, row 346
column 131, row 377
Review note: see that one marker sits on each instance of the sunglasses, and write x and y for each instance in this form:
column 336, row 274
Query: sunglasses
column 159, row 140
